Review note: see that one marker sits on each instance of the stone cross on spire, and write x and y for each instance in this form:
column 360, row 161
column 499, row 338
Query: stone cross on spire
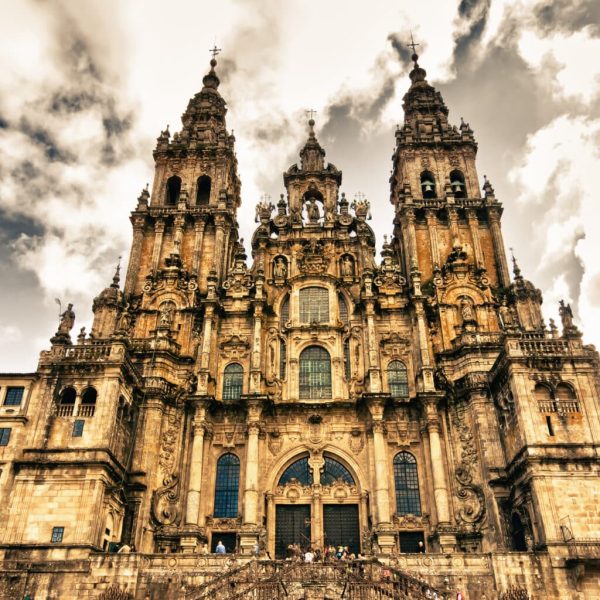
column 412, row 45
column 311, row 114
column 214, row 51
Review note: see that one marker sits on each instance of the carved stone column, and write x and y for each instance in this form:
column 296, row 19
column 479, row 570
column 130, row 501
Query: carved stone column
column 447, row 539
column 374, row 368
column 408, row 221
column 198, row 238
column 433, row 239
column 426, row 372
column 159, row 230
column 256, row 357
column 474, row 229
column 250, row 530
column 453, row 220
column 271, row 523
column 204, row 358
column 219, row 246
column 385, row 535
column 195, row 477
column 135, row 255
column 498, row 242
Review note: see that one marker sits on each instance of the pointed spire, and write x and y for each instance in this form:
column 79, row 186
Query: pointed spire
column 117, row 275
column 312, row 154
column 516, row 269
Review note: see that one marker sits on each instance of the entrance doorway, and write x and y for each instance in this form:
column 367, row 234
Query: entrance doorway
column 340, row 522
column 292, row 527
column 229, row 541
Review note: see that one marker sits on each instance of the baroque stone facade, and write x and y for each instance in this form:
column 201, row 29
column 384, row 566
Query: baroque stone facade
column 315, row 396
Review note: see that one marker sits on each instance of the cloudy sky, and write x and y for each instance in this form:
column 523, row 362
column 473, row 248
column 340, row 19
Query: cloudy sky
column 86, row 86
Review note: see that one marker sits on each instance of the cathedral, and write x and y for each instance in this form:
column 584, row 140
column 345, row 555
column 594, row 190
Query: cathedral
column 415, row 409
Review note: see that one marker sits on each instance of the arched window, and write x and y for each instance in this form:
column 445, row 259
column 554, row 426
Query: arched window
column 66, row 404
column 343, row 310
column 282, row 359
column 233, row 381
column 457, row 184
column 406, row 479
column 333, row 471
column 298, row 470
column 347, row 365
column 545, row 401
column 428, row 185
column 203, row 190
column 88, row 403
column 226, row 486
column 284, row 312
column 397, row 379
column 315, row 373
column 173, row 190
column 566, row 399
column 314, row 305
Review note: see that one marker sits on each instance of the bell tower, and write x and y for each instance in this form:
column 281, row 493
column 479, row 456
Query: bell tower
column 184, row 228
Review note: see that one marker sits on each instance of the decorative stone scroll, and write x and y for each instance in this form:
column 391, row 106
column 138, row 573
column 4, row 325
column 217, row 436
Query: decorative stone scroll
column 165, row 500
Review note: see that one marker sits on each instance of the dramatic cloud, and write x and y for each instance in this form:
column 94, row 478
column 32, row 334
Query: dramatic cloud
column 87, row 87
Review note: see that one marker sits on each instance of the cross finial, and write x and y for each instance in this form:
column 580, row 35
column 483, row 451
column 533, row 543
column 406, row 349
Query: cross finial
column 359, row 196
column 311, row 114
column 412, row 44
column 214, row 51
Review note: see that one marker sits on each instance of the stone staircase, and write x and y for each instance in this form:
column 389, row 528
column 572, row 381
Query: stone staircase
column 288, row 580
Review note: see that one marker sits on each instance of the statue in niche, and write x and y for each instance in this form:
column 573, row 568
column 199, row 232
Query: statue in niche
column 347, row 266
column 280, row 268
column 67, row 320
column 312, row 210
column 124, row 319
column 507, row 316
column 166, row 314
column 467, row 311
column 296, row 216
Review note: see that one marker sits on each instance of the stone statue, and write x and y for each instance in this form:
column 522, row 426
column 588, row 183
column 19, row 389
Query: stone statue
column 67, row 320
column 124, row 320
column 466, row 310
column 166, row 314
column 280, row 268
column 296, row 216
column 81, row 336
column 566, row 315
column 506, row 316
column 312, row 211
column 347, row 266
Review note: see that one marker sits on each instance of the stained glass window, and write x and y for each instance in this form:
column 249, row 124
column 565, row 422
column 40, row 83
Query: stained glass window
column 233, row 381
column 297, row 470
column 335, row 470
column 397, row 379
column 227, row 486
column 315, row 373
column 406, row 478
column 314, row 305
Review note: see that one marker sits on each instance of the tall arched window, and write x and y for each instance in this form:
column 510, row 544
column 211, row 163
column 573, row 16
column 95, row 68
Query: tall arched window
column 233, row 381
column 397, row 379
column 284, row 312
column 88, row 403
column 335, row 470
column 173, row 190
column 315, row 373
column 566, row 399
column 545, row 401
column 314, row 305
column 457, row 184
column 343, row 310
column 226, row 486
column 66, row 404
column 428, row 185
column 406, row 479
column 298, row 470
column 203, row 190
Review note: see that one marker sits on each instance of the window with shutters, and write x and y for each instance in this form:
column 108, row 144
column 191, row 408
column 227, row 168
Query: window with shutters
column 406, row 478
column 315, row 373
column 233, row 381
column 314, row 305
column 397, row 379
column 227, row 486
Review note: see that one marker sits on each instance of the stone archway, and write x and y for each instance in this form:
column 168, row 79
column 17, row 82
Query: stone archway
column 316, row 499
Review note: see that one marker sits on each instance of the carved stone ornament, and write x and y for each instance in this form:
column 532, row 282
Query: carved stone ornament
column 235, row 346
column 239, row 281
column 275, row 443
column 165, row 501
column 388, row 278
column 410, row 521
column 356, row 441
column 394, row 345
column 223, row 524
column 313, row 259
column 168, row 443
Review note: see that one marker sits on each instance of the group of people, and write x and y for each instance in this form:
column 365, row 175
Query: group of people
column 328, row 554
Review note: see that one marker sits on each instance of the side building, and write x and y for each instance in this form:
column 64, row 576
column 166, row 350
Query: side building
column 317, row 397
